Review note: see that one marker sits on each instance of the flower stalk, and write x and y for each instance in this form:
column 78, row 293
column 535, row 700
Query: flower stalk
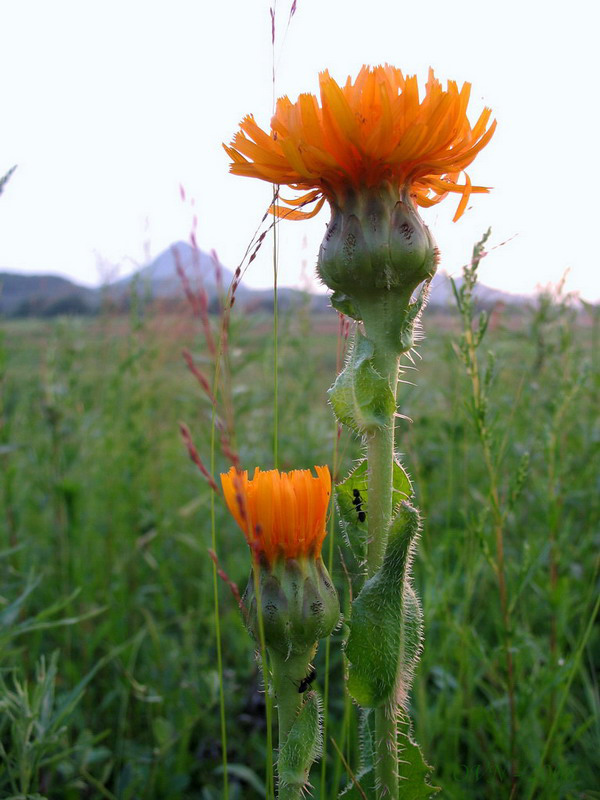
column 375, row 150
column 380, row 458
column 288, row 676
column 290, row 602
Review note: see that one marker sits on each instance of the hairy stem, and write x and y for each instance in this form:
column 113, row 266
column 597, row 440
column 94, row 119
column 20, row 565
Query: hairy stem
column 288, row 675
column 380, row 457
column 380, row 444
column 386, row 743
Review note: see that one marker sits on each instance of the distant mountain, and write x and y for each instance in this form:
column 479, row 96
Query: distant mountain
column 441, row 294
column 4, row 179
column 160, row 278
column 43, row 295
column 48, row 295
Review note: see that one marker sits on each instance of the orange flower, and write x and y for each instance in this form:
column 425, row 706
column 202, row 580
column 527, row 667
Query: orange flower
column 280, row 513
column 365, row 133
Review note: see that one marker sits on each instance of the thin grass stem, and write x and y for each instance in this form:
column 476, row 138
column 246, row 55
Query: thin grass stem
column 498, row 515
column 275, row 344
column 565, row 693
column 213, row 537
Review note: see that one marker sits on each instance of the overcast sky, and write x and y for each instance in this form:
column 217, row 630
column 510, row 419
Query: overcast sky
column 108, row 106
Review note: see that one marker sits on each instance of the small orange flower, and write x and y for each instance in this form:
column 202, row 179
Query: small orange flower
column 365, row 133
column 282, row 514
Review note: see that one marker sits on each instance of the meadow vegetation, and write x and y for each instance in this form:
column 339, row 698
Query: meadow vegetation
column 108, row 669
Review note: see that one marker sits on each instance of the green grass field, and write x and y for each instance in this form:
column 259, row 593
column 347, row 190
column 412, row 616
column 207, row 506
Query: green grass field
column 110, row 685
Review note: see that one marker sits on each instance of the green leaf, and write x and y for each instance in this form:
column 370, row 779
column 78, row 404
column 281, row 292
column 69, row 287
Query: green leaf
column 366, row 781
column 345, row 305
column 363, row 783
column 362, row 398
column 413, row 313
column 245, row 774
column 413, row 770
column 164, row 733
column 302, row 745
column 386, row 626
column 349, row 506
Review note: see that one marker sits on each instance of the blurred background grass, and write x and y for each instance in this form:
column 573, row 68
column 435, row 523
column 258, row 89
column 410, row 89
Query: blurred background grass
column 109, row 670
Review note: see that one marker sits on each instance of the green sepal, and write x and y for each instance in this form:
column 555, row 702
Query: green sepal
column 361, row 398
column 303, row 744
column 354, row 531
column 386, row 626
column 298, row 604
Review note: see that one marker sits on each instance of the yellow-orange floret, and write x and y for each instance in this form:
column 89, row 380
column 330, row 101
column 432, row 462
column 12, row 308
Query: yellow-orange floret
column 282, row 514
column 373, row 130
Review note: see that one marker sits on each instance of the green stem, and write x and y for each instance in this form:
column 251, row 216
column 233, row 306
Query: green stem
column 287, row 677
column 380, row 455
column 377, row 317
column 265, row 670
column 379, row 320
column 386, row 744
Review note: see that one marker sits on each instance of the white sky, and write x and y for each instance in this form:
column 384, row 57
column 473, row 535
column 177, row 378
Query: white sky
column 107, row 106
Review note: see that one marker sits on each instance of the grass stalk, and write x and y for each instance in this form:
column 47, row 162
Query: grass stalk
column 471, row 339
column 213, row 538
column 498, row 516
column 565, row 692
column 275, row 342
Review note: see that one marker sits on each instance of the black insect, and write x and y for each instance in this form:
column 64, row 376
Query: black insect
column 306, row 682
column 358, row 501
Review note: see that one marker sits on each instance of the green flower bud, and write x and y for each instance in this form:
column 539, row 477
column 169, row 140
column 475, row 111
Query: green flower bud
column 376, row 241
column 298, row 602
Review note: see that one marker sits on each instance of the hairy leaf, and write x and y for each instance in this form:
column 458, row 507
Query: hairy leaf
column 386, row 625
column 302, row 745
column 345, row 305
column 361, row 787
column 363, row 783
column 353, row 523
column 362, row 398
column 414, row 771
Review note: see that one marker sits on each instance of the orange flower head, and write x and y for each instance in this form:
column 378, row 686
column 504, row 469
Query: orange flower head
column 375, row 130
column 282, row 514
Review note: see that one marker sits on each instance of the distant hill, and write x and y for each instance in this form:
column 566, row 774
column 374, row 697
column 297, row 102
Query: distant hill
column 161, row 279
column 48, row 295
column 441, row 294
column 43, row 295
